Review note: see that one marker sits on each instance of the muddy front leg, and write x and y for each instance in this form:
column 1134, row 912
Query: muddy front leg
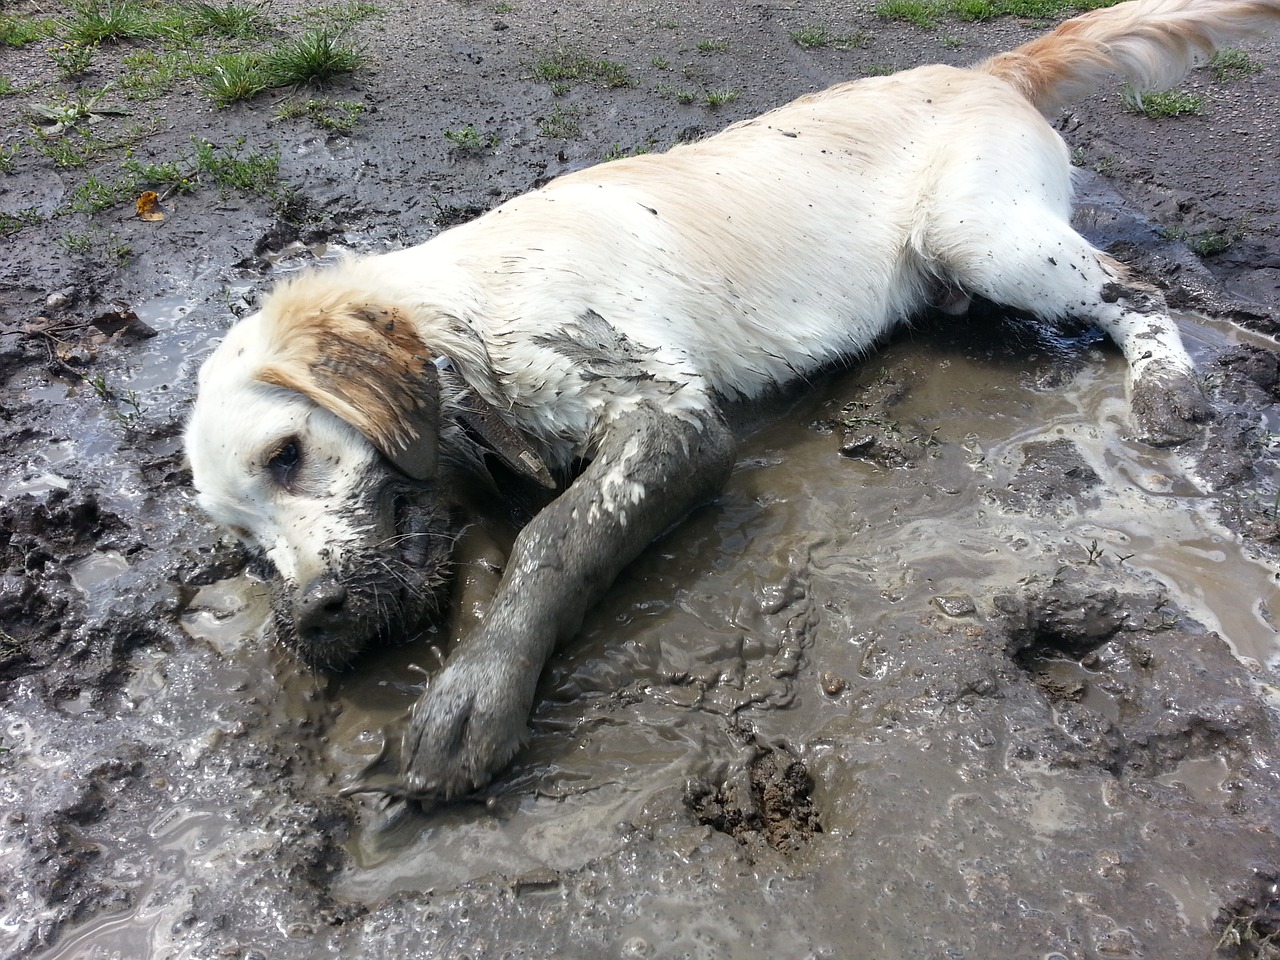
column 1165, row 397
column 650, row 470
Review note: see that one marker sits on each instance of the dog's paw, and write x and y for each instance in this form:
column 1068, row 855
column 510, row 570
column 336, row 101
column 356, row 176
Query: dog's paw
column 465, row 728
column 1168, row 406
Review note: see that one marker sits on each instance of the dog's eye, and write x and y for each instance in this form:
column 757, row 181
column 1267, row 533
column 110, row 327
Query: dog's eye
column 283, row 464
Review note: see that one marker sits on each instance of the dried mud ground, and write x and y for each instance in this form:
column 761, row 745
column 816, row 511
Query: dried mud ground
column 952, row 669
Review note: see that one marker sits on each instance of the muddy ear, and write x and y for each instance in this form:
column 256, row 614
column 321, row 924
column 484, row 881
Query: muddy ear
column 364, row 363
column 483, row 424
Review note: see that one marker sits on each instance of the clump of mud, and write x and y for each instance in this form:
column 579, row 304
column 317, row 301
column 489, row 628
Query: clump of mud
column 767, row 802
column 1052, row 471
column 1136, row 689
column 38, row 538
column 871, row 431
column 1238, row 452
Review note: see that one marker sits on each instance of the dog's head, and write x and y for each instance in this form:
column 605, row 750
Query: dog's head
column 315, row 439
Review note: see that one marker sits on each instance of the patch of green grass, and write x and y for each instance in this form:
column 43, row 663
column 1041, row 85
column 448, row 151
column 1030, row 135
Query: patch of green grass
column 561, row 124
column 680, row 96
column 502, row 8
column 661, row 63
column 71, row 59
column 340, row 116
column 617, row 152
column 1167, row 103
column 69, row 153
column 82, row 147
column 923, row 13
column 131, row 417
column 718, row 98
column 252, row 172
column 469, row 140
column 20, row 31
column 231, row 168
column 566, row 66
column 7, row 157
column 234, row 20
column 76, row 244
column 1208, row 243
column 119, row 253
column 102, row 21
column 13, row 222
column 315, row 58
column 148, row 74
column 813, row 37
column 712, row 46
column 7, row 87
column 232, row 77
column 170, row 174
column 927, row 13
column 95, row 195
column 1228, row 65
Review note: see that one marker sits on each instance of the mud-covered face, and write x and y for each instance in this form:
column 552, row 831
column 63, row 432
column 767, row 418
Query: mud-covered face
column 358, row 550
column 387, row 583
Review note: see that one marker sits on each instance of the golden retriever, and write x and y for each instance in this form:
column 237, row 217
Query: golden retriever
column 608, row 319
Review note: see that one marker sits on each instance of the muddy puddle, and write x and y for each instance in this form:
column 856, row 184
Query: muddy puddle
column 944, row 590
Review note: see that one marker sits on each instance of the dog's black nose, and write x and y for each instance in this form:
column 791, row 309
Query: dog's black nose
column 318, row 605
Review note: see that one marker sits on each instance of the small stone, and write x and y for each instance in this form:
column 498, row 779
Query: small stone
column 833, row 684
column 59, row 299
column 958, row 605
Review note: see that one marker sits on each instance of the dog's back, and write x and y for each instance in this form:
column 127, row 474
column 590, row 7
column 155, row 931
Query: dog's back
column 797, row 238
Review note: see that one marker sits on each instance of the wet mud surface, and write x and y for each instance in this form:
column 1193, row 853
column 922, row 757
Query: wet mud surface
column 953, row 668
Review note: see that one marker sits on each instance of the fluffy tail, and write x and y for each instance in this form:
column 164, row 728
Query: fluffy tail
column 1151, row 43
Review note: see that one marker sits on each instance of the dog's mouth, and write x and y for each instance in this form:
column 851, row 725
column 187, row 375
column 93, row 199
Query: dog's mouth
column 385, row 590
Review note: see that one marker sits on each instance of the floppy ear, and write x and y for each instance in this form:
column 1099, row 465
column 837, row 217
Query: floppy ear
column 365, row 363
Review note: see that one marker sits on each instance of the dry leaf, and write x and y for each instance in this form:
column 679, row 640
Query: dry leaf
column 149, row 207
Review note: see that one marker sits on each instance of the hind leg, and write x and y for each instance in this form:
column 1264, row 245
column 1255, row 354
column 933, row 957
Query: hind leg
column 1033, row 261
column 1164, row 392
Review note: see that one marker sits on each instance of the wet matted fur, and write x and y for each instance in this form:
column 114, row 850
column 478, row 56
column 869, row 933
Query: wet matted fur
column 608, row 317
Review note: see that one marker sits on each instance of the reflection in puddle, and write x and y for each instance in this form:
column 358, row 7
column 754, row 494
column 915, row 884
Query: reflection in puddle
column 92, row 572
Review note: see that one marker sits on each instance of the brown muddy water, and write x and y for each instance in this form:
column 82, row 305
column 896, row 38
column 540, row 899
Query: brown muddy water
column 855, row 601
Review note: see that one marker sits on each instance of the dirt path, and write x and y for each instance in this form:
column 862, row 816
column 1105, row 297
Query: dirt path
column 953, row 669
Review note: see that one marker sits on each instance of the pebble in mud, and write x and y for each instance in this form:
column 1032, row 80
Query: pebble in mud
column 833, row 684
column 959, row 605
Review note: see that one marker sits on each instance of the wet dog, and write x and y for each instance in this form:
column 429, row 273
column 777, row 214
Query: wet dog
column 609, row 319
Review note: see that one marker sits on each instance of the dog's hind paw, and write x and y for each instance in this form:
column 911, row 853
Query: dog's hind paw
column 1168, row 405
column 467, row 725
